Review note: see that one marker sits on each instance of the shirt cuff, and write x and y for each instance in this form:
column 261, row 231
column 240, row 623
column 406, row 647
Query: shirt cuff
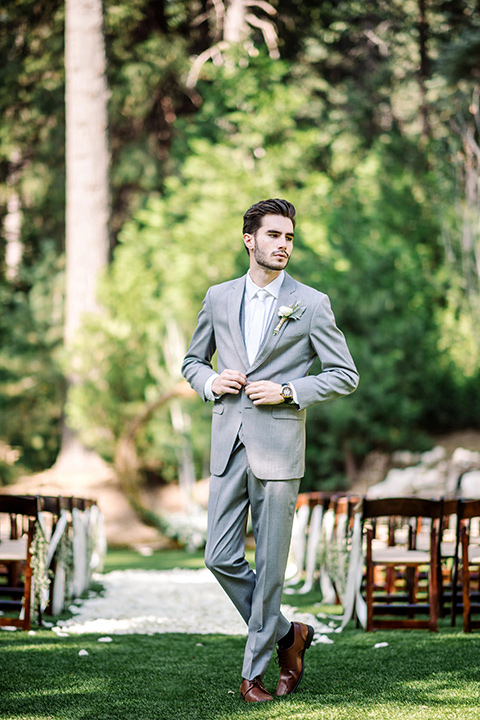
column 294, row 393
column 208, row 393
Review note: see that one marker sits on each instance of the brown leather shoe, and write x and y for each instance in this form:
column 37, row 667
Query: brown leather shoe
column 291, row 659
column 254, row 691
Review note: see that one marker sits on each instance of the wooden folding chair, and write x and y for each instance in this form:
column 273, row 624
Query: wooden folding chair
column 400, row 563
column 448, row 542
column 15, row 551
column 469, row 511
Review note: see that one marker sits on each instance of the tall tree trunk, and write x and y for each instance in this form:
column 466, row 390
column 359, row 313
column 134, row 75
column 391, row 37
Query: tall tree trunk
column 87, row 191
column 235, row 28
column 424, row 70
column 12, row 224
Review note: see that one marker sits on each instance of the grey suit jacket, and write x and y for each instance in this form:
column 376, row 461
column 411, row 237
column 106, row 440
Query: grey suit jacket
column 274, row 435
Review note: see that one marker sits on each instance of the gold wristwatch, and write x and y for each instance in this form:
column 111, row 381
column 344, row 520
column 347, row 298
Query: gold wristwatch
column 287, row 394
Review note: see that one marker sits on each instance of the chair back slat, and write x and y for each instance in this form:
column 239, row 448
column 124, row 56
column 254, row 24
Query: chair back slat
column 401, row 507
column 19, row 505
column 469, row 509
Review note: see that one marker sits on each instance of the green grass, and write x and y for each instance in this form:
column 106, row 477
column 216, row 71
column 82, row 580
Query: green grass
column 193, row 677
column 123, row 559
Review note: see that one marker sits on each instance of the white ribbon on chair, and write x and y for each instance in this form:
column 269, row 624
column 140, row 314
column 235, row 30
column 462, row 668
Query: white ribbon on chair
column 353, row 600
column 340, row 557
column 298, row 543
column 97, row 540
column 326, row 585
column 80, row 539
column 313, row 543
column 59, row 588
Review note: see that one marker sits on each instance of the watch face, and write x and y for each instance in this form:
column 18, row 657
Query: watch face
column 286, row 392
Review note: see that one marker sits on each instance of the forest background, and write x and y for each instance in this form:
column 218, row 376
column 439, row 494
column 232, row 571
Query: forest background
column 363, row 114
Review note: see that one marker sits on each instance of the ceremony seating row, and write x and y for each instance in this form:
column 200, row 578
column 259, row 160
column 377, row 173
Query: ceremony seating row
column 49, row 547
column 321, row 540
column 390, row 560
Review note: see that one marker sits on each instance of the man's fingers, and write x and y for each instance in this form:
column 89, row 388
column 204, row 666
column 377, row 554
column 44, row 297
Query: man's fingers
column 229, row 381
column 264, row 392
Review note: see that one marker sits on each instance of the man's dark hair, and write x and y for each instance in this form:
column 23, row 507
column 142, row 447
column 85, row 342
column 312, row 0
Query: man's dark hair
column 252, row 219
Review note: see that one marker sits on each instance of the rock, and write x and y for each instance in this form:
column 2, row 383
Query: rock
column 466, row 459
column 397, row 484
column 434, row 456
column 405, row 458
column 470, row 485
column 429, row 482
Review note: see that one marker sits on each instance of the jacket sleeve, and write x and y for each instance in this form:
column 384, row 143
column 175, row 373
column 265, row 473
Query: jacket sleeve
column 197, row 366
column 338, row 374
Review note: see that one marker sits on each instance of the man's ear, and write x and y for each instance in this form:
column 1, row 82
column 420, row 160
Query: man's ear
column 248, row 240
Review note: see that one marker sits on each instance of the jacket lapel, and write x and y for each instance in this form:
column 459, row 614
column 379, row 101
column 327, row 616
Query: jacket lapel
column 285, row 297
column 234, row 309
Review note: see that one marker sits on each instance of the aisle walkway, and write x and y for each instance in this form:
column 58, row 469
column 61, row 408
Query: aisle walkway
column 151, row 601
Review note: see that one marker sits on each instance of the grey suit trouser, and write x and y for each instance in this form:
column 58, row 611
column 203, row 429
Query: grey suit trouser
column 256, row 594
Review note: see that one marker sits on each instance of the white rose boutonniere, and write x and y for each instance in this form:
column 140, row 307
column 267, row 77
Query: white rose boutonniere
column 289, row 312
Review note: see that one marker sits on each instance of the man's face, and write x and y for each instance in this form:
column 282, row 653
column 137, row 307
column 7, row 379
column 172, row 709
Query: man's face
column 272, row 244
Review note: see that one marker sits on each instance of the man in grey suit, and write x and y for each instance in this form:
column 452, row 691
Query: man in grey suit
column 267, row 330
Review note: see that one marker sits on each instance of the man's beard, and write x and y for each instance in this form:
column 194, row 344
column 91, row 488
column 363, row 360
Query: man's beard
column 267, row 261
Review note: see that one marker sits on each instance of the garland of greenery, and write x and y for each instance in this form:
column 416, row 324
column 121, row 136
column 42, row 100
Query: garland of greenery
column 334, row 556
column 64, row 558
column 40, row 577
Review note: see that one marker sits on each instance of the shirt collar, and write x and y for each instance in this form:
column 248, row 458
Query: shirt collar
column 273, row 288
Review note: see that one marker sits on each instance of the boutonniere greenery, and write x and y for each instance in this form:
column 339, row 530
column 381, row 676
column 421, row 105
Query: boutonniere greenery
column 288, row 312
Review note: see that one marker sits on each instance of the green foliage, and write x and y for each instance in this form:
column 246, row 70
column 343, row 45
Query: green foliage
column 368, row 235
column 31, row 385
column 355, row 125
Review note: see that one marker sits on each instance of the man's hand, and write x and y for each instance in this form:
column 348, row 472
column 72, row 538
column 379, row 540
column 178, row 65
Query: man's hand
column 229, row 382
column 264, row 392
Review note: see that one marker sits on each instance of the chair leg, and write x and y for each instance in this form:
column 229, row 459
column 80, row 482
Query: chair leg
column 433, row 599
column 453, row 608
column 27, row 596
column 411, row 582
column 466, row 583
column 369, row 580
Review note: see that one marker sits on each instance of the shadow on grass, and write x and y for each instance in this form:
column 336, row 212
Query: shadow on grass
column 195, row 677
column 128, row 559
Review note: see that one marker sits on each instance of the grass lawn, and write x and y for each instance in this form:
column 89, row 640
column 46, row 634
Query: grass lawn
column 196, row 677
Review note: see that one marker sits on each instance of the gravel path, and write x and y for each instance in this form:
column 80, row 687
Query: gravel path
column 151, row 601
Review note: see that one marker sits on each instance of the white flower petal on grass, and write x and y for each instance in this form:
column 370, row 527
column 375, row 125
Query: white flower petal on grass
column 322, row 640
column 380, row 645
column 105, row 639
column 145, row 551
column 152, row 601
column 83, row 653
column 59, row 631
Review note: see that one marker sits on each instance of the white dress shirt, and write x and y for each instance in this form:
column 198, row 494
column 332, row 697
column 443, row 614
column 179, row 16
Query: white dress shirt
column 251, row 304
column 251, row 289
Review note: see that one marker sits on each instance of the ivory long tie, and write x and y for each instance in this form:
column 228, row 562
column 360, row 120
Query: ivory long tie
column 257, row 327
